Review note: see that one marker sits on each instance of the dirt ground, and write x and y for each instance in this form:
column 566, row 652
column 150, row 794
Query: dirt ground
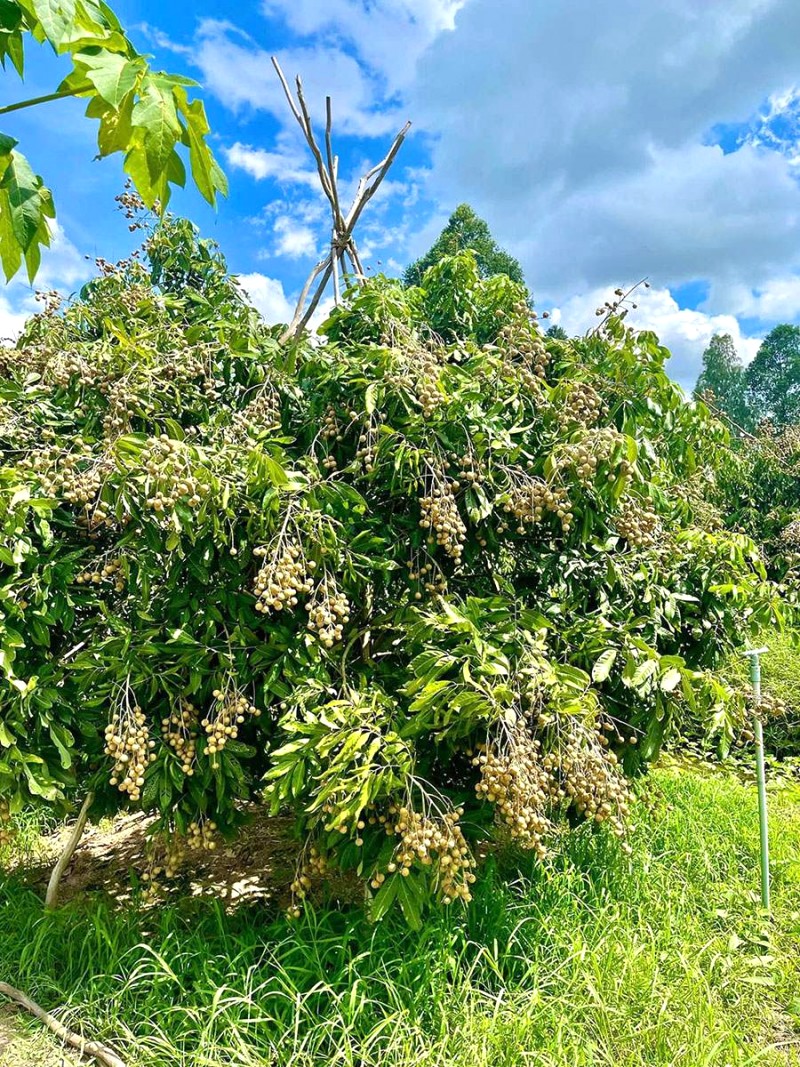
column 114, row 857
column 29, row 1046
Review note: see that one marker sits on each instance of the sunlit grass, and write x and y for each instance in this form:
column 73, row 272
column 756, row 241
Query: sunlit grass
column 593, row 959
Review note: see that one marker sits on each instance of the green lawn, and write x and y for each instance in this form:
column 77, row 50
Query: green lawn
column 593, row 959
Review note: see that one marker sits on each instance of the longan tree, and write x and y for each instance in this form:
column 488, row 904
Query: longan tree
column 438, row 580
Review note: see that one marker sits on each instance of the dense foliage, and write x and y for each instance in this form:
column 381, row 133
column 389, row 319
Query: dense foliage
column 773, row 378
column 767, row 390
column 435, row 580
column 142, row 113
column 722, row 381
column 758, row 489
column 466, row 231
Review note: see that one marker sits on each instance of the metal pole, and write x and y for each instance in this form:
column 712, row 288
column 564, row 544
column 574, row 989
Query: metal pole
column 755, row 678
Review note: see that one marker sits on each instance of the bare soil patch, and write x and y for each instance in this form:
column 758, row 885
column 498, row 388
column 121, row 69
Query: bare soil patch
column 23, row 1046
column 259, row 864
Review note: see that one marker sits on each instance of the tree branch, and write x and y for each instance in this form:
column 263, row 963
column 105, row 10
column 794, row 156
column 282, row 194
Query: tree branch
column 60, row 95
column 51, row 898
column 298, row 311
column 102, row 1053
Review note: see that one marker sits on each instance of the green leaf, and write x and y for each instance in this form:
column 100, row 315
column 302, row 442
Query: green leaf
column 384, row 898
column 410, row 900
column 114, row 76
column 208, row 176
column 603, row 664
column 670, row 680
column 27, row 203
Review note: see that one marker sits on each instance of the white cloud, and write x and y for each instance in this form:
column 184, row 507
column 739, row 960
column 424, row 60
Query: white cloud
column 388, row 35
column 586, row 146
column 293, row 240
column 62, row 268
column 684, row 332
column 241, row 75
column 267, row 297
column 13, row 315
column 777, row 300
column 283, row 166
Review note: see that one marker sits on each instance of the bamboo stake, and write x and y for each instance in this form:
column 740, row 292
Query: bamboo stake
column 755, row 678
column 342, row 242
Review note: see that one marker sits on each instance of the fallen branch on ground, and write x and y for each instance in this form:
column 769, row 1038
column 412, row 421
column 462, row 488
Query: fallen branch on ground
column 101, row 1053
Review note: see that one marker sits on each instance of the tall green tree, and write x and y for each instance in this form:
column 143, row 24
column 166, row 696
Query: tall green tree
column 723, row 375
column 144, row 114
column 466, row 230
column 773, row 378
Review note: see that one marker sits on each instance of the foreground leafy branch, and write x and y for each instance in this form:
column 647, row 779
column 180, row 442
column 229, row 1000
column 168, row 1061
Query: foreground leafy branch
column 145, row 114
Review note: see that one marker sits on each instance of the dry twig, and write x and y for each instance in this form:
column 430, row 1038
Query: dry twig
column 342, row 226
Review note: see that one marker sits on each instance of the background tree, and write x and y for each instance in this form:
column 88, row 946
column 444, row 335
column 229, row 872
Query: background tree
column 466, row 230
column 558, row 333
column 723, row 375
column 143, row 113
column 773, row 378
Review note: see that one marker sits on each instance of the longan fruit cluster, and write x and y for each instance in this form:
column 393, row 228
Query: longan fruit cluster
column 441, row 517
column 790, row 535
column 111, row 571
column 367, row 446
column 582, row 405
column 128, row 743
column 202, row 834
column 313, row 867
column 167, row 857
column 468, row 470
column 170, row 851
column 638, row 524
column 65, row 474
column 786, row 444
column 520, row 338
column 429, row 395
column 170, row 475
column 529, row 500
column 430, row 577
column 229, row 711
column 328, row 613
column 283, row 578
column 514, row 779
column 330, row 429
column 63, row 368
column 599, row 446
column 771, row 707
column 6, row 830
column 590, row 780
column 179, row 730
column 260, row 414
column 432, row 841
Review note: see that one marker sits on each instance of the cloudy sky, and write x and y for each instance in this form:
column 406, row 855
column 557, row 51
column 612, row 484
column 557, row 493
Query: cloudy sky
column 603, row 142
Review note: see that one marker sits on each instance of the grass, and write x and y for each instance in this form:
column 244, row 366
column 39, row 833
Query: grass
column 593, row 960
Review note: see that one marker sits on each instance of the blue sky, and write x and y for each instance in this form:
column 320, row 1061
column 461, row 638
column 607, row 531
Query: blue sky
column 602, row 142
